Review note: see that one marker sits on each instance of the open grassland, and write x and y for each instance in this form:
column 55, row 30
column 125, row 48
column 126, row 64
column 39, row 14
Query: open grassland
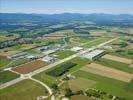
column 80, row 97
column 64, row 54
column 112, row 86
column 108, row 72
column 96, row 42
column 119, row 59
column 31, row 66
column 17, row 62
column 49, row 80
column 24, row 90
column 6, row 76
column 80, row 84
column 4, row 61
column 115, row 64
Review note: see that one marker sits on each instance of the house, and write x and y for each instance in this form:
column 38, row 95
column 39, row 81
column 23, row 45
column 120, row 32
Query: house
column 94, row 54
column 76, row 49
column 17, row 55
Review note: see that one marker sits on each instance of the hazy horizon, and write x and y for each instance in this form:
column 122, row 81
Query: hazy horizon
column 67, row 6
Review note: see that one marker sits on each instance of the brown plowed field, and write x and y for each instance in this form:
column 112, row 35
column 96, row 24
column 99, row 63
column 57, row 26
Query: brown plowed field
column 29, row 67
column 108, row 72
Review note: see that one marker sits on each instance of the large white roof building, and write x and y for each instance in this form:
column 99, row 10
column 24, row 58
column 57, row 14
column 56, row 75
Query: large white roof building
column 94, row 54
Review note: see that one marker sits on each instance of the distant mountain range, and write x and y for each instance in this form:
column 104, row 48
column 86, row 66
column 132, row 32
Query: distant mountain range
column 98, row 18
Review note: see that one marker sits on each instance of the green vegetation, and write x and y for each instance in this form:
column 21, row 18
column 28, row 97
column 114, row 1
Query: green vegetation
column 6, row 76
column 114, row 64
column 81, row 62
column 4, row 61
column 111, row 86
column 64, row 54
column 18, row 62
column 96, row 42
column 24, row 90
column 61, row 70
column 128, row 53
column 49, row 80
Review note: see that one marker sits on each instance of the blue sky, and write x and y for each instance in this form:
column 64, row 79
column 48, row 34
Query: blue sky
column 71, row 6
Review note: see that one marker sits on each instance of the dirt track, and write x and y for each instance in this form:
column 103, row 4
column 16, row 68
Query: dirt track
column 29, row 67
column 119, row 59
column 108, row 72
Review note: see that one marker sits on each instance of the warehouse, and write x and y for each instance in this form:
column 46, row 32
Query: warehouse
column 17, row 55
column 94, row 54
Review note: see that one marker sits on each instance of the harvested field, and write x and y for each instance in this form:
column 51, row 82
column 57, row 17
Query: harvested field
column 119, row 59
column 29, row 67
column 108, row 72
column 77, row 84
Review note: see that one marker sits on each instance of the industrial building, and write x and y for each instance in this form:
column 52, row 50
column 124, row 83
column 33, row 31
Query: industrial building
column 31, row 57
column 48, row 59
column 94, row 54
column 17, row 55
column 42, row 48
column 76, row 49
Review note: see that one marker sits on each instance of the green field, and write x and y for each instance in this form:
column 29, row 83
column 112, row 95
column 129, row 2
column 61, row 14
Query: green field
column 96, row 42
column 24, row 90
column 6, row 76
column 108, row 85
column 114, row 64
column 64, row 54
column 4, row 61
column 49, row 80
column 17, row 62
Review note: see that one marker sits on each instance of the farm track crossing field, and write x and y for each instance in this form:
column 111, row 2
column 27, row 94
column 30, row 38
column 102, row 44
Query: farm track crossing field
column 24, row 90
column 108, row 72
column 29, row 67
column 6, row 76
column 119, row 59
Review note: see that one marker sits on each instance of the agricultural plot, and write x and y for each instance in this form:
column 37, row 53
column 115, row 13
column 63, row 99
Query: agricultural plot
column 6, row 76
column 108, row 72
column 24, row 90
column 114, row 64
column 111, row 86
column 29, row 67
column 4, row 61
column 61, row 70
column 64, row 54
column 17, row 62
column 77, row 84
column 96, row 42
column 80, row 97
column 119, row 59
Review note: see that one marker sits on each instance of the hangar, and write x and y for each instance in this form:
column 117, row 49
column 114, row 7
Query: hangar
column 94, row 54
